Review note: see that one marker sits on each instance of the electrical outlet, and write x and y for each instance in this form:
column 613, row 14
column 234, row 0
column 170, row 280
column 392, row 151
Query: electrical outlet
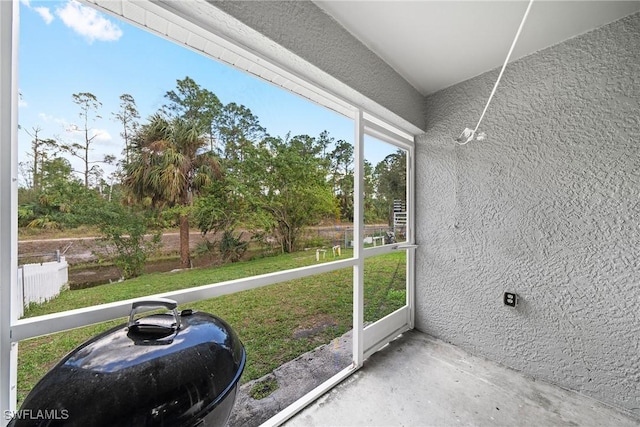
column 510, row 299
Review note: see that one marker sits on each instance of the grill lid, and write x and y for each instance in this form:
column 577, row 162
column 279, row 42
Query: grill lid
column 162, row 369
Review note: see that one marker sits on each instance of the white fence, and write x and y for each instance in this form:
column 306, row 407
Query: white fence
column 40, row 282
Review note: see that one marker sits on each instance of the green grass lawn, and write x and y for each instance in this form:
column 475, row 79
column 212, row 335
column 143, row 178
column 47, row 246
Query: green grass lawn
column 275, row 323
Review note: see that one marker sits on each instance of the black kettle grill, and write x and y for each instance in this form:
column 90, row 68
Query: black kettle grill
column 172, row 369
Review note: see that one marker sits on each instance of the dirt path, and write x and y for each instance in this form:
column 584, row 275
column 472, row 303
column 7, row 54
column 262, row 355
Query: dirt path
column 85, row 250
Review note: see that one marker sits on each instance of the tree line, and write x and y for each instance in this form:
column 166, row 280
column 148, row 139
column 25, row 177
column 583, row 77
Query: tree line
column 197, row 162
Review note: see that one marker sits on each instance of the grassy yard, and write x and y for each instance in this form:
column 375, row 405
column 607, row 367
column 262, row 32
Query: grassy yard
column 275, row 323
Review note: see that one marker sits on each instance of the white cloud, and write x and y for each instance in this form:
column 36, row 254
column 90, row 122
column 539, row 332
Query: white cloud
column 46, row 117
column 95, row 134
column 88, row 22
column 45, row 13
column 100, row 135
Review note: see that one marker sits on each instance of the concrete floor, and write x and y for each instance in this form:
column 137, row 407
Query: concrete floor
column 421, row 381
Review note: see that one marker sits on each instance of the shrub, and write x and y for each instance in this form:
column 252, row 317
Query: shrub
column 231, row 247
column 124, row 231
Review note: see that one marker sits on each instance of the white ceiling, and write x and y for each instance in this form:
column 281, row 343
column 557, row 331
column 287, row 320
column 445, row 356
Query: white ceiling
column 435, row 44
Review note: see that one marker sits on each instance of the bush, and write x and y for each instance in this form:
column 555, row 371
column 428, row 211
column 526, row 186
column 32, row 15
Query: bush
column 231, row 247
column 206, row 247
column 124, row 231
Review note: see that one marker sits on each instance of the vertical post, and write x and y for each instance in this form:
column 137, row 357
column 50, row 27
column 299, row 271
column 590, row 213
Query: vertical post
column 358, row 243
column 22, row 300
column 8, row 201
column 410, row 236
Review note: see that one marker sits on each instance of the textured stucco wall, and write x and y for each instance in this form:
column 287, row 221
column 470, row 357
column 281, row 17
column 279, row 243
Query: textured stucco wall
column 304, row 29
column 548, row 207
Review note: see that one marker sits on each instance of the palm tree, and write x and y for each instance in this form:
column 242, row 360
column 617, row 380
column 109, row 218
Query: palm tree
column 169, row 167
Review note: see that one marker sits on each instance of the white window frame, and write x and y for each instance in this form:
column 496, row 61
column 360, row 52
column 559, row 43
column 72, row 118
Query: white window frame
column 8, row 200
column 378, row 334
column 158, row 19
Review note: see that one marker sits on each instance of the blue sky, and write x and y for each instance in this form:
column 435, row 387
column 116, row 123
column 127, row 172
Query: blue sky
column 67, row 48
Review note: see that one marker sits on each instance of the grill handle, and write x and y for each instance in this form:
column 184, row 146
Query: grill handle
column 155, row 302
